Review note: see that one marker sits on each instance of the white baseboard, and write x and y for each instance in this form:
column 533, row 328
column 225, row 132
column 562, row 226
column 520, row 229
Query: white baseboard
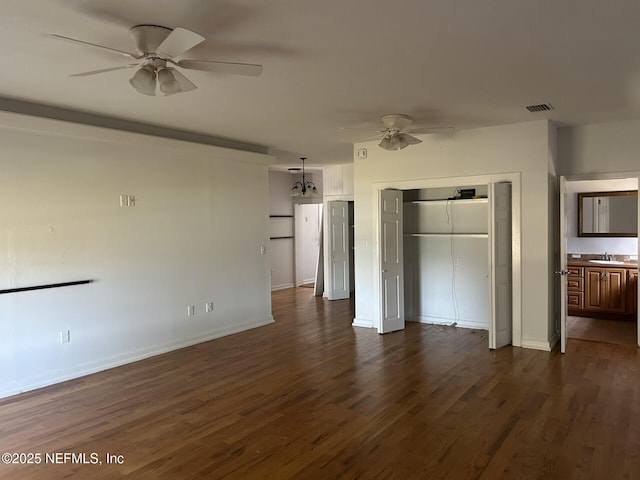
column 537, row 345
column 281, row 287
column 555, row 339
column 359, row 322
column 448, row 322
column 119, row 360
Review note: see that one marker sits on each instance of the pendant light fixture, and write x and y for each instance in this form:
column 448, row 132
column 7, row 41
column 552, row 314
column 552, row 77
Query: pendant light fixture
column 304, row 188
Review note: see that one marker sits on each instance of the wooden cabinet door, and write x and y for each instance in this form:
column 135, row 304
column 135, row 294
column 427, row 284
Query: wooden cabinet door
column 615, row 285
column 593, row 291
column 605, row 289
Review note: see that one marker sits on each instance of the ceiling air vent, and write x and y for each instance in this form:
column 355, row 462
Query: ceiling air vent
column 543, row 107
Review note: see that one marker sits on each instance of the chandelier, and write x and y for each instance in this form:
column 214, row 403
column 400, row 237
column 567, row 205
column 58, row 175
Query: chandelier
column 304, row 188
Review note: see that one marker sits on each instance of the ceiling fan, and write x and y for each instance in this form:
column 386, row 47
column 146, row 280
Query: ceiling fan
column 158, row 47
column 396, row 136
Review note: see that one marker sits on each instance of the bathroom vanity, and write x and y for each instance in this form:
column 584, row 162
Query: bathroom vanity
column 602, row 287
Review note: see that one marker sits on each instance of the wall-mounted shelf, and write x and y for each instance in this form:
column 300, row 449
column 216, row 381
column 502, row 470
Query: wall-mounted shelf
column 445, row 201
column 447, row 218
column 467, row 235
column 42, row 287
column 281, row 227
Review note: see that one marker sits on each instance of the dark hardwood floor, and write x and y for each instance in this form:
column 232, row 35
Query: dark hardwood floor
column 618, row 331
column 310, row 397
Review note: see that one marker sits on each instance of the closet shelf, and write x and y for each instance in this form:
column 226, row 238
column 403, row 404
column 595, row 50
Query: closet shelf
column 280, row 216
column 279, row 238
column 467, row 235
column 445, row 201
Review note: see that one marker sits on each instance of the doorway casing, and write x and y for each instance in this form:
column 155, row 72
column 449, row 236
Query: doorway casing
column 563, row 180
column 414, row 184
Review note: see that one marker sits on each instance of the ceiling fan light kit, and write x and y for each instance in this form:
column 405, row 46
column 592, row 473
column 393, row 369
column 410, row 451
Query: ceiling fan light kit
column 394, row 136
column 158, row 46
column 144, row 80
column 393, row 142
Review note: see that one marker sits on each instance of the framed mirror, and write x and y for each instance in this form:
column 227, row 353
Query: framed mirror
column 608, row 214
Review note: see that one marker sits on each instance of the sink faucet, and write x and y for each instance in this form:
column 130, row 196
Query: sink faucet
column 606, row 256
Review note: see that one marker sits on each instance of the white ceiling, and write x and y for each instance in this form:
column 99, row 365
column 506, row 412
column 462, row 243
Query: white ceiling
column 334, row 63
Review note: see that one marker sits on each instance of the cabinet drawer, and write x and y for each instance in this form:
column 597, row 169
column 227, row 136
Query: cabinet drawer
column 575, row 271
column 575, row 300
column 575, row 284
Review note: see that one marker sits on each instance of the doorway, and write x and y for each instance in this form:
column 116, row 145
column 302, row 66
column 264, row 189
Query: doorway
column 340, row 278
column 599, row 265
column 308, row 240
column 497, row 271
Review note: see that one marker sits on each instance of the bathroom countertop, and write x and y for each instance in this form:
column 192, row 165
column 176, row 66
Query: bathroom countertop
column 578, row 262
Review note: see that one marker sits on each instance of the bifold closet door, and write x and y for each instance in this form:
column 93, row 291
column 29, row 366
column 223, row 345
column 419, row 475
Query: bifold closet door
column 339, row 250
column 391, row 262
column 500, row 326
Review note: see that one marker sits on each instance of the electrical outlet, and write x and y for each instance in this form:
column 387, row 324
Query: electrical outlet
column 263, row 249
column 65, row 336
column 208, row 307
column 191, row 311
column 127, row 200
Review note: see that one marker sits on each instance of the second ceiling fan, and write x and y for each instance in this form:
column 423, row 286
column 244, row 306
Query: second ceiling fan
column 396, row 134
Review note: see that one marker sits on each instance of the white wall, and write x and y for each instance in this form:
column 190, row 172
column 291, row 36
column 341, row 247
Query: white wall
column 190, row 239
column 612, row 245
column 338, row 181
column 518, row 149
column 600, row 148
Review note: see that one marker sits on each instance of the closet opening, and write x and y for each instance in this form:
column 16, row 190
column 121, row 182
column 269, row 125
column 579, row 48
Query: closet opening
column 445, row 257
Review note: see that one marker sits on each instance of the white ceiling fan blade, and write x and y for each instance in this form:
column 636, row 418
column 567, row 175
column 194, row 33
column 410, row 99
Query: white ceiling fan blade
column 443, row 130
column 104, row 70
column 222, row 67
column 82, row 42
column 370, row 137
column 179, row 41
column 356, row 129
column 410, row 140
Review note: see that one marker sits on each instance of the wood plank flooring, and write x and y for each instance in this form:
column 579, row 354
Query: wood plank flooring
column 607, row 330
column 310, row 397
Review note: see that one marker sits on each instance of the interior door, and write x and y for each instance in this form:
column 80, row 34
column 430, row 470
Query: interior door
column 391, row 263
column 563, row 272
column 338, row 220
column 500, row 320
